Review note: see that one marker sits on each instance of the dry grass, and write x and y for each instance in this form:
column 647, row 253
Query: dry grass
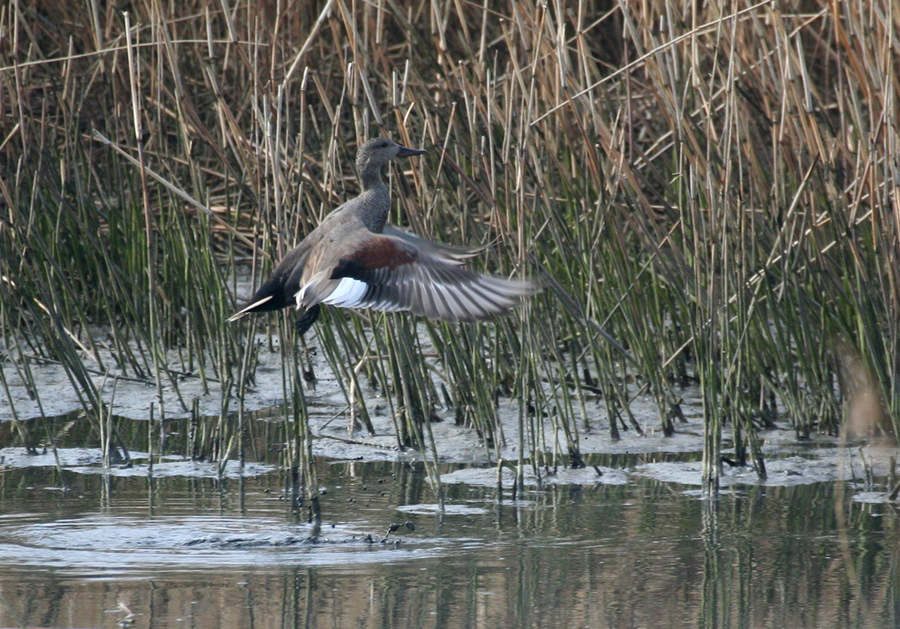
column 716, row 188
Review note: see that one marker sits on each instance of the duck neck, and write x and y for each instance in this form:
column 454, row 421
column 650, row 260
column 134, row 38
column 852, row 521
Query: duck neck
column 376, row 203
column 370, row 178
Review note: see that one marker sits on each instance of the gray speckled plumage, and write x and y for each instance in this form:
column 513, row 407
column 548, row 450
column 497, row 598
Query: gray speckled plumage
column 354, row 259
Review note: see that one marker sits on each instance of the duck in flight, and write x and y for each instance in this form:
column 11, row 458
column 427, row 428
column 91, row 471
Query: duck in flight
column 355, row 259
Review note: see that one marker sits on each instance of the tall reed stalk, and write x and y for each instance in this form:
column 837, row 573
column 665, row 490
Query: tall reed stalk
column 713, row 185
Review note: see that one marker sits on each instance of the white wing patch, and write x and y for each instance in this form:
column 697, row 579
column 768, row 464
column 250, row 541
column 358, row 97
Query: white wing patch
column 349, row 293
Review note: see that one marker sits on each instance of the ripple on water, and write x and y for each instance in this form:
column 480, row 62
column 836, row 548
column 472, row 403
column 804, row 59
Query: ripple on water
column 110, row 546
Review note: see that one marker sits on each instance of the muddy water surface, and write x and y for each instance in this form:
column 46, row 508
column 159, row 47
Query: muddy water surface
column 94, row 550
column 625, row 541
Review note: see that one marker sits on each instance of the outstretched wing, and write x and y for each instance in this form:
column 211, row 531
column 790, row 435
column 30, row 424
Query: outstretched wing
column 388, row 272
column 448, row 253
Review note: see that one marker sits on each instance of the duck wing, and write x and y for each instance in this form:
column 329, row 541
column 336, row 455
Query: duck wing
column 391, row 272
column 448, row 253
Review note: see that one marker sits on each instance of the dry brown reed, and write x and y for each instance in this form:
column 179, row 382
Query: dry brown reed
column 713, row 184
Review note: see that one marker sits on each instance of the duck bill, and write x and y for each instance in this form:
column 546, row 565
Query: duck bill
column 407, row 152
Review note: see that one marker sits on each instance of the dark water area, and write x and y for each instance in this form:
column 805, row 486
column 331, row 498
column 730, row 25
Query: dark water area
column 92, row 550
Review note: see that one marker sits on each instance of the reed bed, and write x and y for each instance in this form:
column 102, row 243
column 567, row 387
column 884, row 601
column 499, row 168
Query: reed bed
column 713, row 186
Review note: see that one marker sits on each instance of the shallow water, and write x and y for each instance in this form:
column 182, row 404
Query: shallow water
column 624, row 542
column 179, row 551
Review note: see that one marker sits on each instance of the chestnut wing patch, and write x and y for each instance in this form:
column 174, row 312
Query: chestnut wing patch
column 375, row 254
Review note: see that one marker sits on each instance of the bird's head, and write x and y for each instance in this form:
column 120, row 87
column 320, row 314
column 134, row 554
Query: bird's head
column 374, row 154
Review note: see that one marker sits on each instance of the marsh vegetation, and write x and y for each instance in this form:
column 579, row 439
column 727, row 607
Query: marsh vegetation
column 715, row 189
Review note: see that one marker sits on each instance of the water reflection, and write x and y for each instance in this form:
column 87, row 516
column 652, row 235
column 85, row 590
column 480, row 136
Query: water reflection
column 179, row 551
